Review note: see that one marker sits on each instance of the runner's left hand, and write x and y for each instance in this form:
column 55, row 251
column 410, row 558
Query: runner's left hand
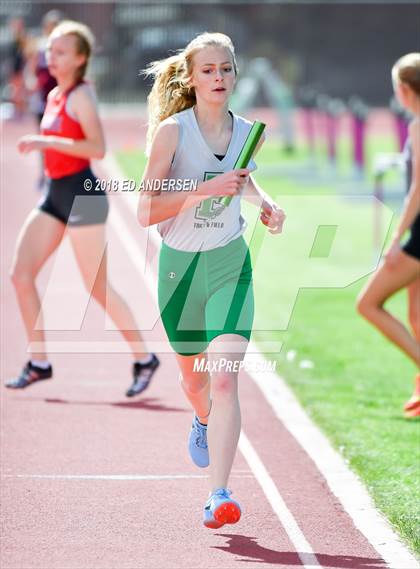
column 31, row 142
column 272, row 216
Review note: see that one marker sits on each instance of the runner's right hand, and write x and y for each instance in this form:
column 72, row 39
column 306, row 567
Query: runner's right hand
column 227, row 184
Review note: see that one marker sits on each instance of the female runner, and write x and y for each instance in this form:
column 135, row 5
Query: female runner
column 205, row 274
column 71, row 134
column 401, row 267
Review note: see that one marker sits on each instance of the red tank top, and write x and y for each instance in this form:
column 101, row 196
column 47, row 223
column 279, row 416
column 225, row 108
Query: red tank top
column 57, row 122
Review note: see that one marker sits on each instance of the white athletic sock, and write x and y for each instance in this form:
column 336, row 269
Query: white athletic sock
column 43, row 364
column 145, row 361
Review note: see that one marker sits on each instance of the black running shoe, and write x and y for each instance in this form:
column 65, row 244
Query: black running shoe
column 30, row 374
column 142, row 376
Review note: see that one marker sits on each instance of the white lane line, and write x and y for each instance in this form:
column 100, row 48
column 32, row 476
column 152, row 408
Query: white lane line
column 120, row 347
column 303, row 549
column 343, row 483
column 116, row 476
column 92, row 347
column 267, row 484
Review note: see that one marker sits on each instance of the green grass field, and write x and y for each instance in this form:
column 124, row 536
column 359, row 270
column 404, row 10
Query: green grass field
column 305, row 297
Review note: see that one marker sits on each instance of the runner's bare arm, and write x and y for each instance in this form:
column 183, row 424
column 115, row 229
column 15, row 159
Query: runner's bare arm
column 271, row 214
column 154, row 205
column 412, row 202
column 93, row 146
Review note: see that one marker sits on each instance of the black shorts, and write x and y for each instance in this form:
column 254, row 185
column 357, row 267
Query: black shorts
column 412, row 245
column 67, row 200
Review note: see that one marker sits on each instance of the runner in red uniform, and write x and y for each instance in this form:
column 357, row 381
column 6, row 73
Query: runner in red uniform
column 71, row 134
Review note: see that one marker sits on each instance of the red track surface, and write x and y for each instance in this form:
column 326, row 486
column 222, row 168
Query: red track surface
column 80, row 423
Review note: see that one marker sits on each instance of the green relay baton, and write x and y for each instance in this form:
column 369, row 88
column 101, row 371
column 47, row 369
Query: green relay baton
column 247, row 151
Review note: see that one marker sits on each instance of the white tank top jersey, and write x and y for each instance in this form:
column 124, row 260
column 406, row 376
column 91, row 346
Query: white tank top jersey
column 209, row 224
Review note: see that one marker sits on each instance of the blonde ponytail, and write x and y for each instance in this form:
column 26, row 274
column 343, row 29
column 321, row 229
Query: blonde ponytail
column 171, row 92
